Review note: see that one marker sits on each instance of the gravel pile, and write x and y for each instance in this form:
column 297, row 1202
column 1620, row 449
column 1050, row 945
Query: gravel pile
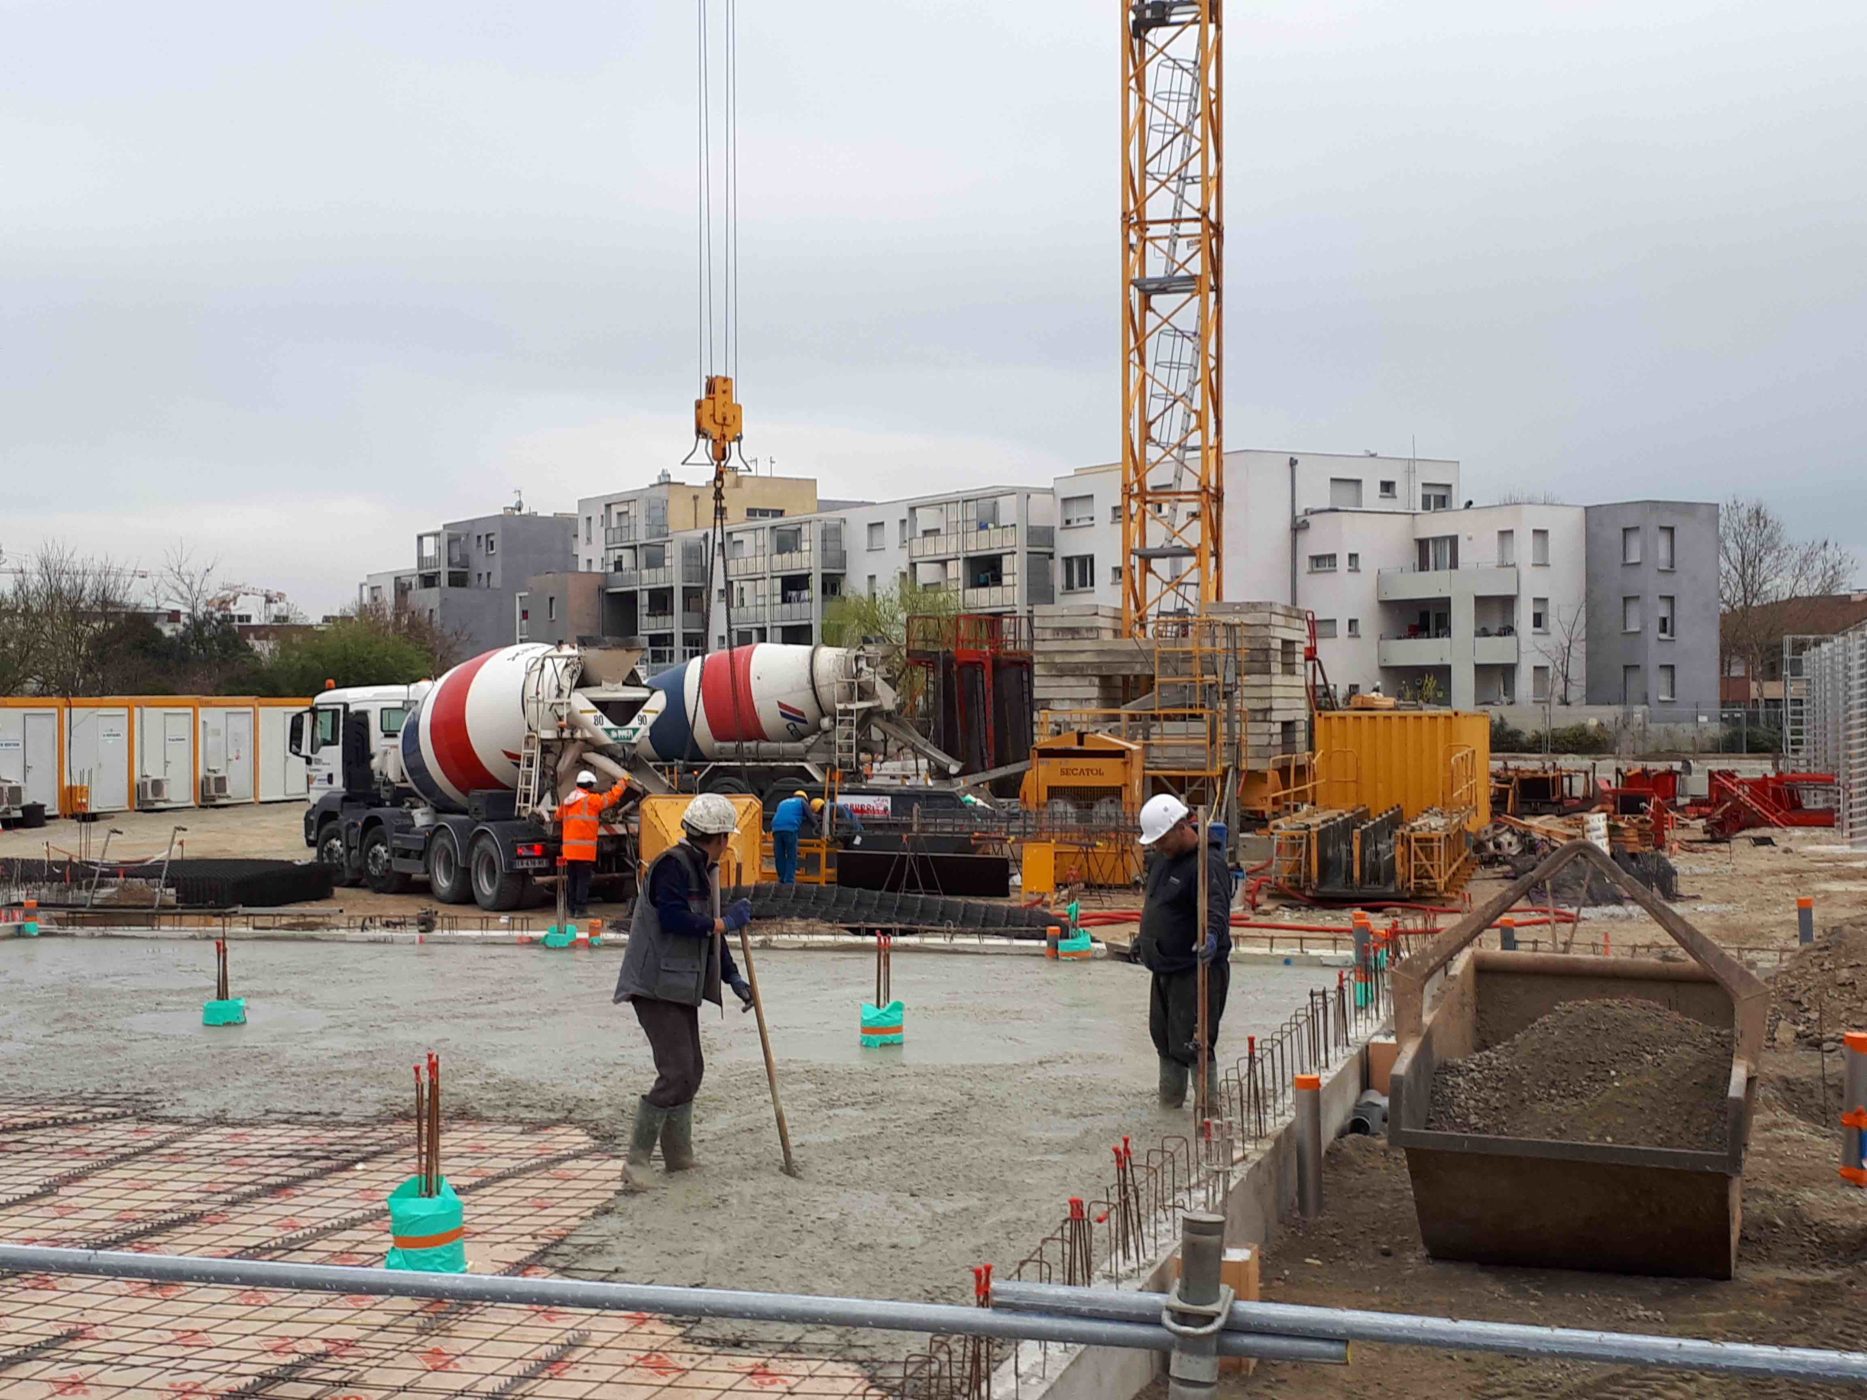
column 1626, row 1072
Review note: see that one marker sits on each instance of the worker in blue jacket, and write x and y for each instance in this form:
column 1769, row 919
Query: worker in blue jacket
column 786, row 823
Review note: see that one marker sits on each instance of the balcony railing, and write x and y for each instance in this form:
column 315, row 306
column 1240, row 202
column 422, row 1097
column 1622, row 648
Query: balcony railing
column 693, row 622
column 661, row 577
column 658, row 622
column 803, row 611
column 1480, row 580
column 1414, row 651
column 995, row 595
column 623, row 578
column 694, row 571
column 833, row 559
column 627, row 533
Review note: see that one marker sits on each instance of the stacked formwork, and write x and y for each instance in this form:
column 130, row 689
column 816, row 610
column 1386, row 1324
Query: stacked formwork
column 1835, row 672
column 1082, row 661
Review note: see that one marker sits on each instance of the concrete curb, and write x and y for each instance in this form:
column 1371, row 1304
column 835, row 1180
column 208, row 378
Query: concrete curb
column 1264, row 1189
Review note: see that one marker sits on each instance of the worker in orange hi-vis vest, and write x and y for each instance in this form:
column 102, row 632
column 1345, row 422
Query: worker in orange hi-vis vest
column 580, row 814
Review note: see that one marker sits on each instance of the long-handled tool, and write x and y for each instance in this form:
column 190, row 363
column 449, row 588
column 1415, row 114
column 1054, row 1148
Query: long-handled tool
column 764, row 1034
column 1200, row 976
column 220, row 969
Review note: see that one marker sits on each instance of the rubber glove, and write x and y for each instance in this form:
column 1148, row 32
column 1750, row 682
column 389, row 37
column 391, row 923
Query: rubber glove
column 738, row 916
column 743, row 990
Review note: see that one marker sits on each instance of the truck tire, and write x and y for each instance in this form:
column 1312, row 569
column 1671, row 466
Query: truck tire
column 379, row 871
column 725, row 785
column 332, row 854
column 448, row 879
column 494, row 888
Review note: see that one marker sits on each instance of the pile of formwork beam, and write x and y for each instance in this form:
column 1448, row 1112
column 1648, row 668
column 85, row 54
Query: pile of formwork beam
column 1082, row 661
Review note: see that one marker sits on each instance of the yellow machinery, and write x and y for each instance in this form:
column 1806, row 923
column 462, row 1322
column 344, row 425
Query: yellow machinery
column 1083, row 791
column 1395, row 798
column 661, row 828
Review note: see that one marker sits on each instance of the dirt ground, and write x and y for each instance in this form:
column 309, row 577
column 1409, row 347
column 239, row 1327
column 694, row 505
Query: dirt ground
column 1798, row 1283
column 960, row 1147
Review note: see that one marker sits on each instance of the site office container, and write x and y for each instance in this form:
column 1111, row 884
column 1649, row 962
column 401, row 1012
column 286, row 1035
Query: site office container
column 1413, row 759
column 30, row 742
column 94, row 753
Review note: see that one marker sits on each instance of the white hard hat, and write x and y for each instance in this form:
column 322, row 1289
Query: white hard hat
column 1161, row 814
column 710, row 815
column 586, row 779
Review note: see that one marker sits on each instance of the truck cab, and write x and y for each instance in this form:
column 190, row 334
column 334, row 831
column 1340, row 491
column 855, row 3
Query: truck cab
column 317, row 733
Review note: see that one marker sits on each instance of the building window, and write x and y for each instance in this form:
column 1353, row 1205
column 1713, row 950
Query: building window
column 878, row 534
column 1115, row 514
column 1435, row 495
column 1630, row 545
column 1354, row 563
column 1322, row 563
column 1345, row 492
column 551, row 608
column 1630, row 614
column 1389, row 492
column 492, row 545
column 586, row 529
column 1079, row 510
column 1325, row 628
column 1666, row 684
column 764, row 513
column 1664, row 618
column 1115, row 574
column 1438, row 552
column 1631, row 691
column 1539, row 615
column 1506, row 548
column 1666, row 547
column 1539, row 547
column 904, row 530
column 1539, row 684
column 1354, row 627
column 1079, row 572
column 871, row 585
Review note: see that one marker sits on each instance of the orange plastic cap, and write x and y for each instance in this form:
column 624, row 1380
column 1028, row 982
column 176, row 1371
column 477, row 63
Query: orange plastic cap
column 1309, row 1081
column 1805, row 901
column 1856, row 1041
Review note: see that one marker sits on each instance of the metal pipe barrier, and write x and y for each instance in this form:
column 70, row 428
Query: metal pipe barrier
column 793, row 1308
column 1457, row 1334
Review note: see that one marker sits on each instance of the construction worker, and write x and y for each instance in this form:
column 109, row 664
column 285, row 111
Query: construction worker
column 786, row 822
column 1171, row 945
column 579, row 816
column 677, row 958
column 848, row 824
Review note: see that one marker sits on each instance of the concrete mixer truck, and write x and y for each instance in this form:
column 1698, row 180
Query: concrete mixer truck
column 458, row 782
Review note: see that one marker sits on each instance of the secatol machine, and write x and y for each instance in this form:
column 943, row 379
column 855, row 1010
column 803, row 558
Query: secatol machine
column 458, row 783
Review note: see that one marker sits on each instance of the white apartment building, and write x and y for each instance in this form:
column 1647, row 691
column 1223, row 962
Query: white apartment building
column 1405, row 582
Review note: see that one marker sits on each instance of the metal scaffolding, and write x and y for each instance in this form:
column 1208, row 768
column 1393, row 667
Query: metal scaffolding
column 1834, row 680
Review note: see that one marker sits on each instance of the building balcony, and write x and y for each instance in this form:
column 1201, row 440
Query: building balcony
column 1414, row 651
column 748, row 613
column 662, row 577
column 658, row 622
column 1421, row 585
column 693, row 622
column 694, row 572
column 792, row 561
column 621, row 534
column 618, row 579
column 833, row 559
column 657, row 657
column 995, row 595
column 793, row 612
column 1494, row 651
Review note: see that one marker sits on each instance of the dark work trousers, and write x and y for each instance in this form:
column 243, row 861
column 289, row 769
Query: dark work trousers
column 674, row 1036
column 577, row 875
column 1173, row 1011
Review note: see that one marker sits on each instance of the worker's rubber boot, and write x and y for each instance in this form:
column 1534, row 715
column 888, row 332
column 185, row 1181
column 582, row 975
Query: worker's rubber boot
column 648, row 1124
column 677, row 1139
column 1173, row 1077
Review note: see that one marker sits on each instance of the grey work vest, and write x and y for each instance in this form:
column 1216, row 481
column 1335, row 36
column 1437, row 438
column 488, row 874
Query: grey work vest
column 664, row 966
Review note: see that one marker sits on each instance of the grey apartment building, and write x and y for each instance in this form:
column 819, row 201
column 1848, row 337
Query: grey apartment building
column 1653, row 606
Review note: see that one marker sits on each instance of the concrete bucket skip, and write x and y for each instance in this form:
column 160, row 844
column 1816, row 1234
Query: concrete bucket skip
column 1561, row 1203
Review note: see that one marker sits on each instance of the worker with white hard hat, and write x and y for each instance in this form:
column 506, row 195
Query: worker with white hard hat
column 677, row 958
column 579, row 816
column 1171, row 944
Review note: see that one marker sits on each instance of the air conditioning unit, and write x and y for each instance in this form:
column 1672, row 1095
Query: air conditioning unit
column 213, row 787
column 12, row 797
column 150, row 791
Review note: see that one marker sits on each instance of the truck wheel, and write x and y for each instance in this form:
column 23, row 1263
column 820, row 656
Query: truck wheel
column 494, row 889
column 725, row 786
column 379, row 871
column 447, row 873
column 332, row 854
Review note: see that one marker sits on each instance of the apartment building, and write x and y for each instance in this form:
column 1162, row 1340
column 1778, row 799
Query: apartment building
column 1653, row 606
column 468, row 574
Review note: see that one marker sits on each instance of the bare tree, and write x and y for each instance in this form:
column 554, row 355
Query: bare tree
column 64, row 615
column 187, row 585
column 1761, row 565
column 1563, row 651
column 443, row 645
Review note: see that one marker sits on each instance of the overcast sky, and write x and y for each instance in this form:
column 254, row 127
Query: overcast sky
column 298, row 282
